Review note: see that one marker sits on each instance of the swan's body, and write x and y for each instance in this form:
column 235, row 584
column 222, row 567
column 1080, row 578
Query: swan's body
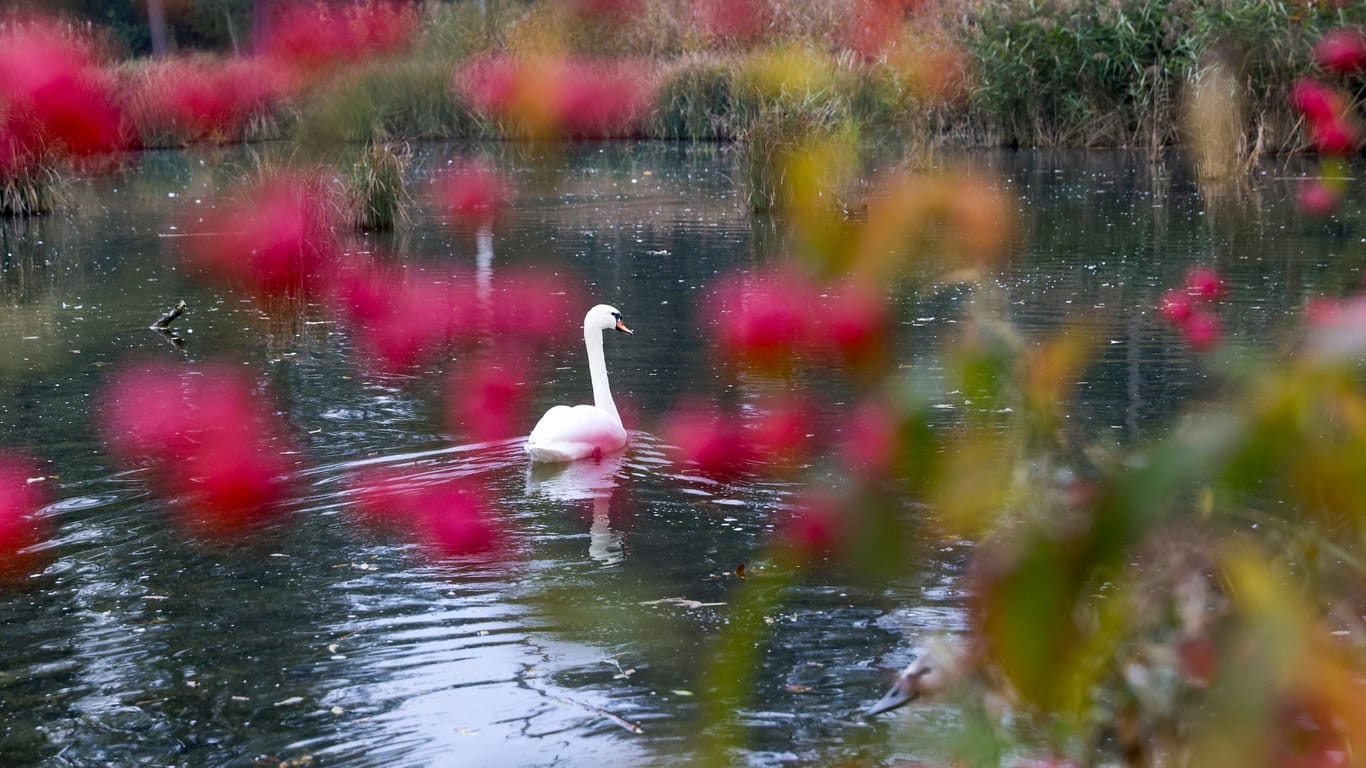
column 567, row 433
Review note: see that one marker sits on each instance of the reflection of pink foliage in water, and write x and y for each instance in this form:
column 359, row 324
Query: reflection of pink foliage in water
column 54, row 97
column 315, row 37
column 21, row 527
column 207, row 438
column 472, row 192
column 276, row 239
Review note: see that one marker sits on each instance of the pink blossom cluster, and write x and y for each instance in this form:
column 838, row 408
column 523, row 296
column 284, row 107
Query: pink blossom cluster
column 56, row 100
column 557, row 97
column 1328, row 112
column 1188, row 308
column 22, row 527
column 209, row 440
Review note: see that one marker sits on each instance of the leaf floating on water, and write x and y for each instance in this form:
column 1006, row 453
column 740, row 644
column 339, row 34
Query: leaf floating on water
column 681, row 692
column 289, row 702
column 740, row 571
column 792, row 688
column 337, row 710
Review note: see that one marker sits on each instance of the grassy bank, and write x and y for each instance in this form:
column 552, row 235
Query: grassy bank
column 967, row 72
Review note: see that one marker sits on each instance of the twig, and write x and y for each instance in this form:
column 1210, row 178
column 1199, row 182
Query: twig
column 619, row 720
column 169, row 317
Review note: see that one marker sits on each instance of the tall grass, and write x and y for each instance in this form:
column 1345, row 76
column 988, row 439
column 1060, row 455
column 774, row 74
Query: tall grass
column 1053, row 73
column 376, row 194
column 34, row 189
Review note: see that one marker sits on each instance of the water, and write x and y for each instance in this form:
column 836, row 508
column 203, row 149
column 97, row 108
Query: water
column 324, row 640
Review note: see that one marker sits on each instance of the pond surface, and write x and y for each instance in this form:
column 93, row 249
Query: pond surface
column 137, row 646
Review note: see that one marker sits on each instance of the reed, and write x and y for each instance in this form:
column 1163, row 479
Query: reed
column 376, row 194
column 1114, row 74
column 31, row 190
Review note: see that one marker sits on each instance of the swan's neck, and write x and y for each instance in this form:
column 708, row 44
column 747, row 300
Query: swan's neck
column 597, row 369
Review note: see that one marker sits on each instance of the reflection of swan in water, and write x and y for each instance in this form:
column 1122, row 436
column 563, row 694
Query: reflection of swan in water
column 483, row 266
column 580, row 480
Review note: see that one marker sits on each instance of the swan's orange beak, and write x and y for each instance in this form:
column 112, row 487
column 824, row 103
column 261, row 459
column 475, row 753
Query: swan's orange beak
column 622, row 327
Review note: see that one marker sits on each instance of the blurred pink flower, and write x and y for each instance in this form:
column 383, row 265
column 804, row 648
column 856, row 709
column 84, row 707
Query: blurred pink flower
column 855, row 323
column 814, row 527
column 200, row 99
column 448, row 518
column 1334, row 137
column 1316, row 101
column 1202, row 330
column 1342, row 51
column 735, row 21
column 208, row 439
column 277, row 239
column 21, row 526
column 870, row 443
column 537, row 307
column 401, row 320
column 1317, row 199
column 314, row 38
column 763, row 319
column 487, row 397
column 453, row 519
column 1204, row 283
column 472, row 192
column 553, row 97
column 1176, row 306
column 54, row 95
column 717, row 446
column 781, row 433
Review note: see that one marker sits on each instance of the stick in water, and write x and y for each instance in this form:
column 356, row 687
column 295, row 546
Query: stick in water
column 165, row 320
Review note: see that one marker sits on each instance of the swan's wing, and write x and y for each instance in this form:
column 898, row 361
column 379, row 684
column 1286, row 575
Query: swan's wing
column 565, row 434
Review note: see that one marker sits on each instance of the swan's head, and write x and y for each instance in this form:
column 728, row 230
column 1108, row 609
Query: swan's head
column 604, row 317
column 933, row 671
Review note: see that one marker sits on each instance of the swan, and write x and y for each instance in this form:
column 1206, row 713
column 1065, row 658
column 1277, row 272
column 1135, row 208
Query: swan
column 933, row 671
column 583, row 431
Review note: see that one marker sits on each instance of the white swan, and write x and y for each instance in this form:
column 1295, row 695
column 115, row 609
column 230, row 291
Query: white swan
column 568, row 434
column 933, row 671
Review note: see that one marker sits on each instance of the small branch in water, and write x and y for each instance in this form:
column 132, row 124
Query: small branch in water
column 163, row 324
column 616, row 719
column 170, row 316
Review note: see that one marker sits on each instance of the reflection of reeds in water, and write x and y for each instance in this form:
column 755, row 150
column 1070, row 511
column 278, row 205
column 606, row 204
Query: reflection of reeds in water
column 376, row 192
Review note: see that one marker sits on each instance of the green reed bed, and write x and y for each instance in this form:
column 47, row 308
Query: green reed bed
column 1087, row 74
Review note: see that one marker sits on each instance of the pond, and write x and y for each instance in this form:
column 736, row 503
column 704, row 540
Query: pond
column 137, row 645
